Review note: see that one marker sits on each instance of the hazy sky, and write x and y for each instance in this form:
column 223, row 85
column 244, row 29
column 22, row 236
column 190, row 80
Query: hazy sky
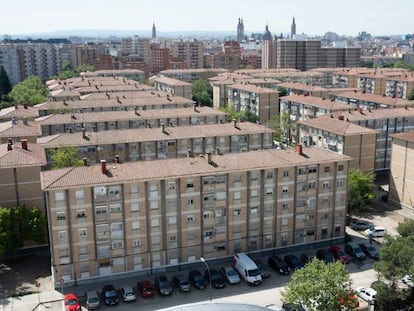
column 345, row 17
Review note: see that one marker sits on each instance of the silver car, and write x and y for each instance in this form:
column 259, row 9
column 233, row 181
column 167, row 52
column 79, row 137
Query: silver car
column 92, row 300
column 128, row 294
column 230, row 275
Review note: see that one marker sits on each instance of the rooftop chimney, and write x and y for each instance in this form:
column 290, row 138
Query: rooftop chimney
column 83, row 132
column 209, row 157
column 16, row 106
column 9, row 147
column 25, row 120
column 24, row 144
column 85, row 162
column 359, row 109
column 9, row 141
column 136, row 111
column 103, row 166
column 341, row 118
column 25, row 106
column 299, row 149
column 14, row 120
column 117, row 158
column 190, row 153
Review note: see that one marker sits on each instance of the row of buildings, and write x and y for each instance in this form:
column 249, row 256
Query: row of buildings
column 165, row 181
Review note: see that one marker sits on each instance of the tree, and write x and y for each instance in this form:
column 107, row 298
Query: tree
column 231, row 112
column 31, row 91
column 65, row 157
column 411, row 95
column 203, row 93
column 5, row 85
column 361, row 188
column 18, row 225
column 282, row 91
column 321, row 286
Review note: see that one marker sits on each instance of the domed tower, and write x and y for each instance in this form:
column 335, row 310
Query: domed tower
column 240, row 31
column 267, row 34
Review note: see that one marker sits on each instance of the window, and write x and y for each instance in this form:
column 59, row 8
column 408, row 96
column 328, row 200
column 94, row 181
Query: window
column 60, row 216
column 312, row 170
column 237, row 195
column 190, row 184
column 173, row 238
column 253, row 193
column 207, row 215
column 237, row 212
column 116, row 227
column 136, row 225
column 133, row 188
column 191, row 236
column 172, row 220
column 136, row 243
column 270, row 175
column 301, row 171
column 115, row 208
column 153, row 191
column 285, row 206
column 253, row 210
column 340, row 168
column 135, row 207
column 325, row 185
column 80, row 213
column 237, row 178
column 117, row 244
column 285, row 190
column 285, row 173
column 82, row 232
column 312, row 185
column 155, row 222
column 190, row 203
column 326, row 169
column 339, row 183
column 254, row 176
column 269, row 191
column 62, row 235
column 154, row 204
column 79, row 195
column 190, row 219
column 100, row 210
column 59, row 196
column 171, row 186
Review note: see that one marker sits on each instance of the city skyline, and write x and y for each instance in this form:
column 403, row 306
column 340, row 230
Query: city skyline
column 312, row 18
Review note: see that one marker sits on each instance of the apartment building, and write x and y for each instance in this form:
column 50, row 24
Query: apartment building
column 299, row 88
column 20, row 166
column 189, row 52
column 173, row 86
column 263, row 102
column 192, row 75
column 401, row 182
column 353, row 140
column 367, row 101
column 19, row 129
column 21, row 60
column 295, row 108
column 128, row 119
column 130, row 218
column 130, row 74
column 18, row 112
column 162, row 143
column 385, row 122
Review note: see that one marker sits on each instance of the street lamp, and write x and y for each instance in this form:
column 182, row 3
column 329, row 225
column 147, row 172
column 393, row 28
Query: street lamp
column 209, row 275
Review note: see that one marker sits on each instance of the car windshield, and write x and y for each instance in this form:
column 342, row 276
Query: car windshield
column 71, row 302
column 198, row 278
column 216, row 277
column 110, row 294
column 231, row 272
column 254, row 272
column 129, row 293
column 357, row 249
column 93, row 299
column 164, row 283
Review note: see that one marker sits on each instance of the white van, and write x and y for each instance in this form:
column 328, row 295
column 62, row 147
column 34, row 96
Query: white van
column 246, row 267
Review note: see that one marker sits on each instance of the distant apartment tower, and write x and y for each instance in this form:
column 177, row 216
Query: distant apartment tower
column 240, row 30
column 22, row 60
column 189, row 52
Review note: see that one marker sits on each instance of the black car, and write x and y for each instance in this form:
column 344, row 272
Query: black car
column 324, row 255
column 306, row 258
column 292, row 307
column 215, row 277
column 263, row 268
column 293, row 262
column 278, row 264
column 110, row 295
column 354, row 250
column 198, row 280
column 163, row 285
column 369, row 250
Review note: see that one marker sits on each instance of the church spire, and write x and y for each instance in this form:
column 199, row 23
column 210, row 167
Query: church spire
column 293, row 28
column 154, row 31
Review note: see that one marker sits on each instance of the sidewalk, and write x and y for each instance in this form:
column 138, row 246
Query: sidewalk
column 52, row 299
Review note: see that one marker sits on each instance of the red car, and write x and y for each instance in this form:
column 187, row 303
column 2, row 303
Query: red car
column 339, row 254
column 146, row 289
column 72, row 302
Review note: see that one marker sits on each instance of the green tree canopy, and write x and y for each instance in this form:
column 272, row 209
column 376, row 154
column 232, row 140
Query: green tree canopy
column 242, row 116
column 203, row 93
column 20, row 224
column 69, row 72
column 5, row 85
column 361, row 188
column 321, row 287
column 65, row 157
column 31, row 91
column 282, row 91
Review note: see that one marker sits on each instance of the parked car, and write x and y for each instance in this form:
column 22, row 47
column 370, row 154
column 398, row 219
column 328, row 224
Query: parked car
column 182, row 283
column 92, row 300
column 376, row 232
column 263, row 268
column 163, row 285
column 369, row 250
column 292, row 307
column 360, row 225
column 407, row 279
column 146, row 289
column 198, row 280
column 215, row 277
column 293, row 262
column 366, row 293
column 110, row 296
column 278, row 264
column 127, row 294
column 306, row 258
column 339, row 254
column 323, row 254
column 354, row 250
column 230, row 274
column 71, row 302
